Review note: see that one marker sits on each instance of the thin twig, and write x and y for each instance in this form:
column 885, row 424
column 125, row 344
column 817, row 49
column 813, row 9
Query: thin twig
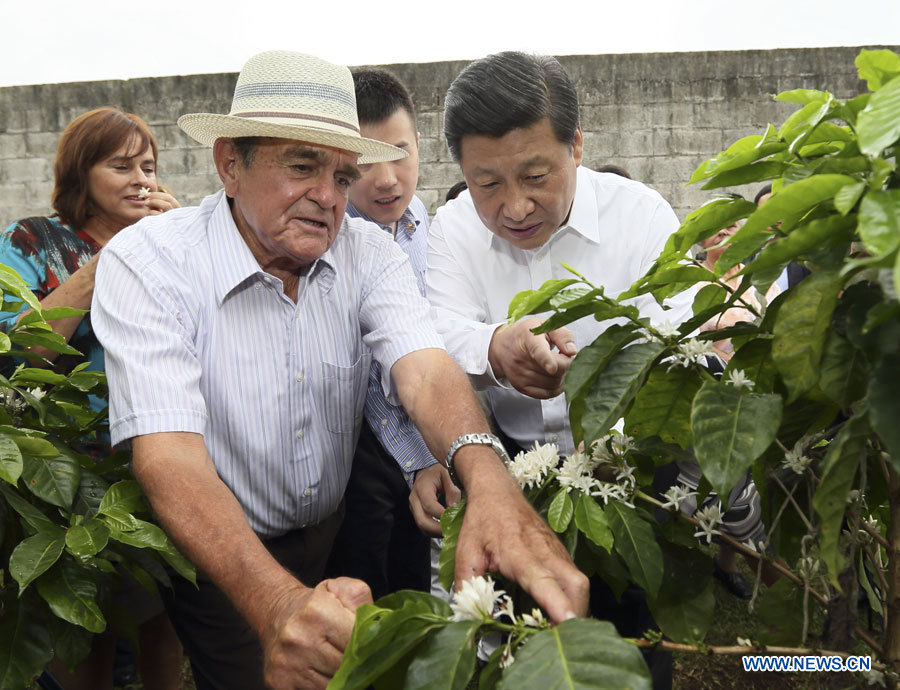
column 790, row 497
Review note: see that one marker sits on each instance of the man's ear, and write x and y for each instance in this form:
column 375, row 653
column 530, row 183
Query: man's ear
column 418, row 135
column 578, row 146
column 228, row 164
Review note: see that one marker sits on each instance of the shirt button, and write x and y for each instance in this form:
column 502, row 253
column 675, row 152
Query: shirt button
column 384, row 422
column 300, row 377
column 554, row 437
column 408, row 465
column 300, row 433
column 259, row 286
column 307, row 491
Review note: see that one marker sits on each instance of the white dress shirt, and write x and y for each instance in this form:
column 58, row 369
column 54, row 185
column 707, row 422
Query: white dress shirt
column 616, row 229
column 200, row 339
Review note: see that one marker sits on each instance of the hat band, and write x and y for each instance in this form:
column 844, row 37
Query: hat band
column 300, row 116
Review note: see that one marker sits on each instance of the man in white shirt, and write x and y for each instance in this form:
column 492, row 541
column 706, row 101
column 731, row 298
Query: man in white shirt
column 511, row 121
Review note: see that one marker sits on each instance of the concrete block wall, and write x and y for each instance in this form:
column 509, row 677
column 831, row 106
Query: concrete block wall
column 658, row 115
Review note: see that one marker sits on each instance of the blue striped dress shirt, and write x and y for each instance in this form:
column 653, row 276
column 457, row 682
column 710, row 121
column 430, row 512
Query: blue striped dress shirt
column 199, row 339
column 390, row 423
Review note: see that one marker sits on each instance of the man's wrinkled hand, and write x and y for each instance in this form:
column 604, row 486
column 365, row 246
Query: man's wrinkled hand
column 305, row 640
column 424, row 500
column 533, row 364
column 501, row 532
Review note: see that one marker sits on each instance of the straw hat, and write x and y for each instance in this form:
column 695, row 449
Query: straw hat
column 292, row 96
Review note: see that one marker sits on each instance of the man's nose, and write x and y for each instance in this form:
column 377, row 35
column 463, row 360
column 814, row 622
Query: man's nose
column 323, row 191
column 385, row 178
column 517, row 205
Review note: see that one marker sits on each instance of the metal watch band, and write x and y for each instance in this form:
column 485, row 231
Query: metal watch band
column 475, row 439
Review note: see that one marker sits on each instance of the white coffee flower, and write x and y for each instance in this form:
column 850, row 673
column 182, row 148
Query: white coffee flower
column 143, row 192
column 621, row 443
column 795, row 460
column 625, row 475
column 474, row 600
column 676, row 494
column 531, row 466
column 874, row 677
column 691, row 351
column 577, row 473
column 600, row 454
column 667, row 329
column 709, row 518
column 744, row 642
column 535, row 619
column 738, row 379
column 505, row 608
column 506, row 656
column 808, row 567
column 37, row 393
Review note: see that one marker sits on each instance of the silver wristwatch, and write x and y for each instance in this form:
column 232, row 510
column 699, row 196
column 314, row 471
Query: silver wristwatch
column 476, row 439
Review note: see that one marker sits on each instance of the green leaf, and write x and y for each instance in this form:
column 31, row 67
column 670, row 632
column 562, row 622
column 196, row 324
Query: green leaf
column 54, row 480
column 879, row 221
column 663, row 406
column 33, row 556
column 35, row 446
column 86, row 380
column 119, row 520
column 12, row 283
column 807, row 238
column 25, row 646
column 741, row 153
column 878, row 126
column 709, row 296
column 382, row 637
column 616, row 386
column 685, row 606
column 755, row 172
column 71, row 593
column 90, row 493
column 10, row 460
column 561, row 510
column 781, row 613
column 71, row 643
column 566, row 656
column 755, row 360
column 446, row 661
column 531, row 301
column 877, row 67
column 180, row 564
column 125, row 495
column 5, row 343
column 838, row 469
column 843, row 375
column 451, row 523
column 862, row 578
column 88, row 538
column 884, row 405
column 794, row 200
column 731, row 430
column 50, row 340
column 803, row 96
column 800, row 329
column 30, row 514
column 847, row 196
column 591, row 521
column 145, row 535
column 707, row 220
column 637, row 545
column 594, row 358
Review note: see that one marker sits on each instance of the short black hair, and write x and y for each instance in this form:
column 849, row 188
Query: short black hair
column 508, row 91
column 246, row 148
column 761, row 193
column 379, row 94
column 456, row 190
column 614, row 169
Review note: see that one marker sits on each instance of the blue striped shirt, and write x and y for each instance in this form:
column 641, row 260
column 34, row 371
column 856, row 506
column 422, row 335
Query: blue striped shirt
column 390, row 423
column 199, row 339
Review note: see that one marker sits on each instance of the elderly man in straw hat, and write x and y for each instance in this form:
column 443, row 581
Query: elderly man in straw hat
column 239, row 336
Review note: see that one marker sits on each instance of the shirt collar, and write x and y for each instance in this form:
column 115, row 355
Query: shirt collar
column 407, row 224
column 583, row 218
column 235, row 262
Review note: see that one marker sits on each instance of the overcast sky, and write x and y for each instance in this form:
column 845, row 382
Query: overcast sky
column 49, row 41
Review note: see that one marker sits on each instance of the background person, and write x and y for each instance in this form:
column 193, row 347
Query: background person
column 379, row 541
column 104, row 160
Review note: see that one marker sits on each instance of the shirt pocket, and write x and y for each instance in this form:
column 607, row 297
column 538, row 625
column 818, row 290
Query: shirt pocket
column 345, row 394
